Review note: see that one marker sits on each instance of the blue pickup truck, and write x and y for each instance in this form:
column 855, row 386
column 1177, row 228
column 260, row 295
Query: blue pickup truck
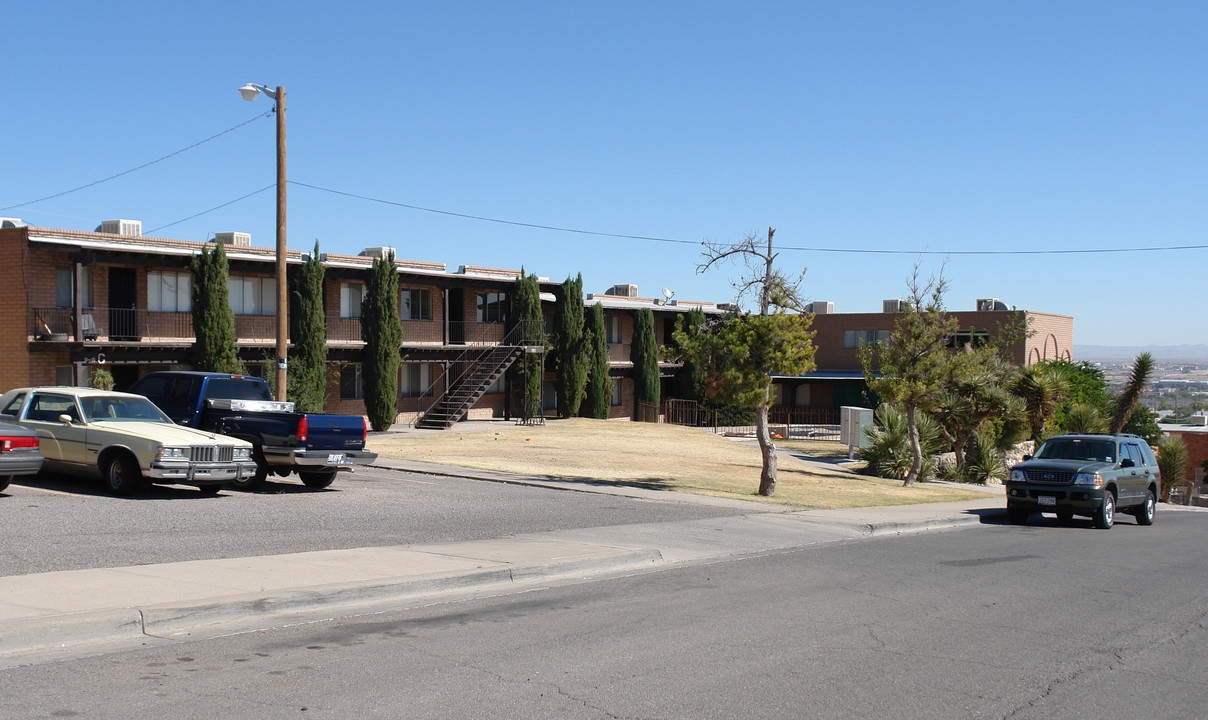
column 241, row 406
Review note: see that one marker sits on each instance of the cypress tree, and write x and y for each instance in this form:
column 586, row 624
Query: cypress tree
column 383, row 336
column 599, row 384
column 308, row 369
column 213, row 319
column 526, row 374
column 570, row 349
column 645, row 356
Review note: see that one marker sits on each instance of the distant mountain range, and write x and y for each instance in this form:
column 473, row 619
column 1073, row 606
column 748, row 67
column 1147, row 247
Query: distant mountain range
column 1128, row 352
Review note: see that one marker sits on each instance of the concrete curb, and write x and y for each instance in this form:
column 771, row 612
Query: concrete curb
column 56, row 632
column 913, row 526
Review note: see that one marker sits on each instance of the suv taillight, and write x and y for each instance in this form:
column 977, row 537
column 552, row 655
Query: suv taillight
column 303, row 428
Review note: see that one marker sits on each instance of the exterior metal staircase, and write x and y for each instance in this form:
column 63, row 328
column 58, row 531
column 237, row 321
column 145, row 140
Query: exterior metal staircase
column 483, row 366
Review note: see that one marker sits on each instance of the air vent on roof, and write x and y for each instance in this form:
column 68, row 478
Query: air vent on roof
column 378, row 252
column 131, row 228
column 234, row 239
column 893, row 306
column 12, row 223
column 821, row 307
column 988, row 304
column 623, row 290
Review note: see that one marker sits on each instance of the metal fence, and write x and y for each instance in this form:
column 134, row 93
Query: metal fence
column 787, row 422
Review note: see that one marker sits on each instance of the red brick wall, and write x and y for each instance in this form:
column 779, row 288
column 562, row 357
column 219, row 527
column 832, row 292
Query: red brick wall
column 14, row 307
column 1197, row 450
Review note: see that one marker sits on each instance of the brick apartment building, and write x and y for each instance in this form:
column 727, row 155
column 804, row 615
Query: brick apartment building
column 839, row 377
column 78, row 298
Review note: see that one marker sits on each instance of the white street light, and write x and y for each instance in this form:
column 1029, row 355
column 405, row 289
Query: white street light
column 249, row 93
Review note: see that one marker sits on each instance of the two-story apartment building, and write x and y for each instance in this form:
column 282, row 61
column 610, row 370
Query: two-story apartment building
column 76, row 299
column 839, row 377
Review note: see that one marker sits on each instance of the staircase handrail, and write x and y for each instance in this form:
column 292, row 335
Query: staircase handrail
column 480, row 346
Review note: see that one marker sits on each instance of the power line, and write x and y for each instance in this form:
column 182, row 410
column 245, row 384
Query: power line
column 140, row 167
column 858, row 251
column 494, row 220
column 216, row 207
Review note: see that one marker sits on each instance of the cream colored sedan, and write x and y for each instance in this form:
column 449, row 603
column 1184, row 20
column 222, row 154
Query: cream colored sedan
column 124, row 440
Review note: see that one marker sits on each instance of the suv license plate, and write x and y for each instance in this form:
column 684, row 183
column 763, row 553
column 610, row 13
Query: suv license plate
column 335, row 459
column 1046, row 500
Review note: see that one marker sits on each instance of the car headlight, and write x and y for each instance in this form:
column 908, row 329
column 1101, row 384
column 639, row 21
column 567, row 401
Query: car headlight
column 242, row 453
column 171, row 453
column 1088, row 479
column 1017, row 476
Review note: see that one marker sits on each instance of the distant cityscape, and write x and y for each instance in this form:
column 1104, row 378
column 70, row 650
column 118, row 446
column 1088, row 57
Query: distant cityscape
column 1179, row 387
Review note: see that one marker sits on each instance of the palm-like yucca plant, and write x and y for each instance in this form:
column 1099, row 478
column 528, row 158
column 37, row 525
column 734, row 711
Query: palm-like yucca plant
column 1041, row 388
column 1172, row 463
column 888, row 454
column 1084, row 418
column 1137, row 380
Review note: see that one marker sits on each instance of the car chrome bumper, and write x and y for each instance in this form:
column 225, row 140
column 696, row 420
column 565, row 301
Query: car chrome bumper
column 12, row 463
column 201, row 473
column 315, row 459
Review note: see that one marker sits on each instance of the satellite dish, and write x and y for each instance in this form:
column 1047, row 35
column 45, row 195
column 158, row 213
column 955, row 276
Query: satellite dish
column 668, row 293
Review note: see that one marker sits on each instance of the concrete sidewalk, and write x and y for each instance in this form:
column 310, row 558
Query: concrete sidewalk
column 48, row 615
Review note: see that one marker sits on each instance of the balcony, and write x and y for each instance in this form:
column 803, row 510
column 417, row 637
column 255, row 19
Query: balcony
column 128, row 325
column 422, row 332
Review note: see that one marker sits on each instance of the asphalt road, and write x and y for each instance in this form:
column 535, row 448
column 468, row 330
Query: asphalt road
column 60, row 523
column 992, row 621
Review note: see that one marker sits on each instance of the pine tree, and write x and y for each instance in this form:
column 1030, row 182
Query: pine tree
column 526, row 374
column 599, row 383
column 570, row 348
column 383, row 336
column 690, row 378
column 308, row 369
column 645, row 356
column 213, row 319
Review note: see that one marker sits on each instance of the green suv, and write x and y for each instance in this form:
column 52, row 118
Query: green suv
column 1090, row 475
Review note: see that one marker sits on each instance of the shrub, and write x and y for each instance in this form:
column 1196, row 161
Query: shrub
column 889, row 453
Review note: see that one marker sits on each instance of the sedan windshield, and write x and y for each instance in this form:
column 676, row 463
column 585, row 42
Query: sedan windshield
column 120, row 409
column 1077, row 449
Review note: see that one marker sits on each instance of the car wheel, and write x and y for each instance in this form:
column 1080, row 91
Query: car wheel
column 1145, row 513
column 122, row 475
column 1106, row 514
column 257, row 479
column 4, row 481
column 1065, row 515
column 319, row 479
column 1017, row 516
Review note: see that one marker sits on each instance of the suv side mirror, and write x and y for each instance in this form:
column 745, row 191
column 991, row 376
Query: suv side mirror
column 65, row 419
column 1127, row 463
column 1027, row 458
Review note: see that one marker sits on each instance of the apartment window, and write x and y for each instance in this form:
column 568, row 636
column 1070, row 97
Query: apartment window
column 802, row 396
column 616, row 392
column 63, row 286
column 612, row 325
column 169, row 291
column 417, row 304
column 351, row 386
column 417, row 378
column 86, row 286
column 860, row 338
column 492, row 307
column 253, row 295
column 351, row 297
column 963, row 338
column 65, row 375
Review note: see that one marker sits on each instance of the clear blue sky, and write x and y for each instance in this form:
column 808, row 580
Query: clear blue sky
column 920, row 126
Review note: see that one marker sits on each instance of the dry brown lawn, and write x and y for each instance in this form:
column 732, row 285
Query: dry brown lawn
column 666, row 457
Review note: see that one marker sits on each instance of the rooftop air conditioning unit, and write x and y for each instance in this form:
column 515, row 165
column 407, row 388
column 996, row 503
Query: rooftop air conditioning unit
column 988, row 304
column 624, row 290
column 12, row 223
column 893, row 306
column 821, row 307
column 378, row 252
column 234, row 239
column 131, row 228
